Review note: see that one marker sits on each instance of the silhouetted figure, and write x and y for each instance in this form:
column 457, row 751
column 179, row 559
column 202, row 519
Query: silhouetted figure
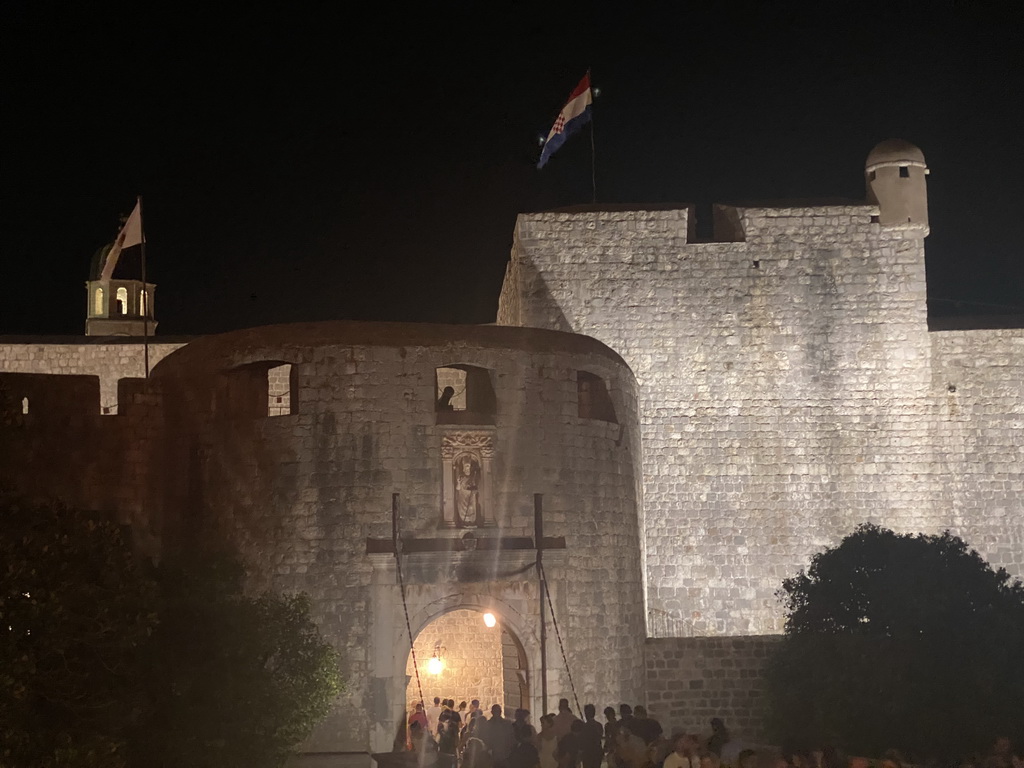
column 444, row 402
column 591, row 750
column 719, row 736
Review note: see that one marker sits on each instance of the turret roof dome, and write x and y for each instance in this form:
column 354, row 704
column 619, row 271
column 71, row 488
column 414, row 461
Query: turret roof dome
column 894, row 152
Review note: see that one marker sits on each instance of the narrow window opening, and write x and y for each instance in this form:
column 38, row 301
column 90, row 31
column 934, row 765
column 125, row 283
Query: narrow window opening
column 122, row 301
column 757, row 263
column 142, row 304
column 874, row 219
column 97, row 303
column 593, row 401
column 904, row 172
column 872, row 176
column 279, row 390
column 24, row 405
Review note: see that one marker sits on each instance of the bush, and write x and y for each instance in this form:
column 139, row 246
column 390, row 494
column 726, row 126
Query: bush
column 904, row 641
column 104, row 662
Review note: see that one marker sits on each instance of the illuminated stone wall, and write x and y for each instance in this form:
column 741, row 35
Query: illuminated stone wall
column 790, row 390
column 110, row 361
column 693, row 679
column 472, row 661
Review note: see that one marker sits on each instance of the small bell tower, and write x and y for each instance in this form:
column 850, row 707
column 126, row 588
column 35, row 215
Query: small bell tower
column 120, row 305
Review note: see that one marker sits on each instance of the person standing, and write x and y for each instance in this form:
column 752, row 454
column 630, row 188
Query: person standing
column 498, row 737
column 432, row 714
column 564, row 719
column 611, row 735
column 591, row 750
column 547, row 742
column 448, row 743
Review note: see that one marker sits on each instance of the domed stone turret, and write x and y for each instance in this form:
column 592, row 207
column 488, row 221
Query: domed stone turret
column 895, row 174
column 118, row 305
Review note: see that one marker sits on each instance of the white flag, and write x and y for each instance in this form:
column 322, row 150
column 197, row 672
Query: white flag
column 130, row 234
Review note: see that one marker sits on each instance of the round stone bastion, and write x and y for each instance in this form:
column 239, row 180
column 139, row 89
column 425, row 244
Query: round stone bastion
column 391, row 470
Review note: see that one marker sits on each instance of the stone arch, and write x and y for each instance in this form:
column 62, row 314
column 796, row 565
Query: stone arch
column 519, row 627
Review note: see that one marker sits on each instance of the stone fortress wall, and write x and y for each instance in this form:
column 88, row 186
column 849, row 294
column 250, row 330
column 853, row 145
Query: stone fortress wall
column 790, row 390
column 194, row 455
column 110, row 359
column 786, row 389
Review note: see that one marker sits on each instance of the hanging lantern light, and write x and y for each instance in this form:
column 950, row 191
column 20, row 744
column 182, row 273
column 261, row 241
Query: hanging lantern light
column 435, row 664
column 489, row 620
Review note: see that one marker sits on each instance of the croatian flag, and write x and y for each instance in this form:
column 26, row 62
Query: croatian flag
column 574, row 115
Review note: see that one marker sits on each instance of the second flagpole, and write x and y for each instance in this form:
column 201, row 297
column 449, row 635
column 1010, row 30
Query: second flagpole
column 146, row 298
column 593, row 161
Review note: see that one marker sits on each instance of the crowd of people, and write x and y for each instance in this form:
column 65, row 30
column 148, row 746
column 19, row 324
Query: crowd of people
column 463, row 736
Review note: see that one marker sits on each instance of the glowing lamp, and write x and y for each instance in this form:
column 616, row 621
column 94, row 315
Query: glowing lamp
column 435, row 665
column 489, row 619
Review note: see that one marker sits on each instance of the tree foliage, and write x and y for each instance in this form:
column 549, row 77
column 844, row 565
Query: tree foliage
column 106, row 662
column 905, row 641
column 238, row 681
column 74, row 616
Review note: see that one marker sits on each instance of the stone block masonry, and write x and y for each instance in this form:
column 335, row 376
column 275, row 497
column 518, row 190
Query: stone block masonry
column 789, row 390
column 472, row 661
column 110, row 359
column 691, row 680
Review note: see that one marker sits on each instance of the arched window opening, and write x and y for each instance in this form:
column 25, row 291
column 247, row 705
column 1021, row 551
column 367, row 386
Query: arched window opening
column 592, row 398
column 122, row 301
column 464, row 395
column 24, row 406
column 97, row 303
column 143, row 310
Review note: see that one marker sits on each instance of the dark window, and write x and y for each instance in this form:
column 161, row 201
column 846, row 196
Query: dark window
column 464, row 395
column 904, row 172
column 593, row 401
column 872, row 176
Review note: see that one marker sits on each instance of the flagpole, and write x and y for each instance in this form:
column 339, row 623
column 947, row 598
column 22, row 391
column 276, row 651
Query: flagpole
column 593, row 169
column 145, row 293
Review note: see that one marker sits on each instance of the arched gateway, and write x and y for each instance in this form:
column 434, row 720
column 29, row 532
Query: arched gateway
column 448, row 591
column 465, row 655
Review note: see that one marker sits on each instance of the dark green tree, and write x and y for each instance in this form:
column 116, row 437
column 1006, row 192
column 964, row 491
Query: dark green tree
column 106, row 663
column 75, row 614
column 899, row 641
column 237, row 680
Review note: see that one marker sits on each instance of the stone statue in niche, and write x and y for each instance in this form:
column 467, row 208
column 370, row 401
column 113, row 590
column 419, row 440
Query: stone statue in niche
column 466, row 457
column 467, row 491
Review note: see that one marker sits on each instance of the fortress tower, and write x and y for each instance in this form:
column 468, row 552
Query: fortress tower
column 790, row 387
column 895, row 174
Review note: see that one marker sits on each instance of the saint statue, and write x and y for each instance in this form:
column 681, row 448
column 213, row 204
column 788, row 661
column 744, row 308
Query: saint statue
column 467, row 491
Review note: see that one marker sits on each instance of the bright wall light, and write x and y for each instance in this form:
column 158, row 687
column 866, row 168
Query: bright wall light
column 489, row 619
column 435, row 665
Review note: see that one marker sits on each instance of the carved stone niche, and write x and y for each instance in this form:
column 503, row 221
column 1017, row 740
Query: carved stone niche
column 466, row 457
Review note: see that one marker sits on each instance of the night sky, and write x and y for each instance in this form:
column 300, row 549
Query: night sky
column 366, row 162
